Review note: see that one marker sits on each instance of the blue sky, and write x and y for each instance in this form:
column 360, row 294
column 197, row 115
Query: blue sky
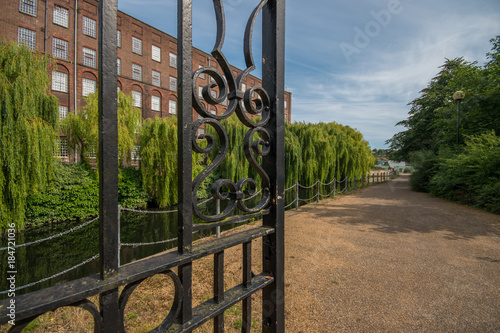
column 359, row 62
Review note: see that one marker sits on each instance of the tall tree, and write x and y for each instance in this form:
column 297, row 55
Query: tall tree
column 28, row 118
column 82, row 128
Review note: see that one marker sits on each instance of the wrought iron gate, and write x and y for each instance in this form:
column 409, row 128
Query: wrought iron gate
column 265, row 138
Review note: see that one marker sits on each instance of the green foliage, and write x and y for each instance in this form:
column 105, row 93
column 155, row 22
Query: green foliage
column 27, row 135
column 131, row 193
column 73, row 194
column 82, row 128
column 472, row 176
column 426, row 164
column 158, row 164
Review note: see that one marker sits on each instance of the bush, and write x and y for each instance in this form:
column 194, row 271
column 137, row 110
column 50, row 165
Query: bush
column 426, row 164
column 131, row 194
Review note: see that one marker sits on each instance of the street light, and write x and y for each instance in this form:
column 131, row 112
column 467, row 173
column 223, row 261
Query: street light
column 458, row 96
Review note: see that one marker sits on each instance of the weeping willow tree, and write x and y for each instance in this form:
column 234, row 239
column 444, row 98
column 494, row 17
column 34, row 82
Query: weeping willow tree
column 330, row 150
column 293, row 158
column 28, row 118
column 82, row 128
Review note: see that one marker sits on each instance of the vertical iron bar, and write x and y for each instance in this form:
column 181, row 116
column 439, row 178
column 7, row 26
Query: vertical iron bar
column 247, row 278
column 184, row 166
column 219, row 289
column 217, row 212
column 273, row 72
column 108, row 161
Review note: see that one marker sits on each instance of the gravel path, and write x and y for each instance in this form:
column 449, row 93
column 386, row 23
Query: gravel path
column 386, row 259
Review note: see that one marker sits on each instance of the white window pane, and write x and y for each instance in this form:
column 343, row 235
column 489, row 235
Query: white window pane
column 137, row 72
column 89, row 57
column 59, row 81
column 172, row 107
column 26, row 37
column 173, row 60
column 156, row 53
column 243, row 87
column 63, row 112
column 62, row 147
column 88, row 86
column 155, row 103
column 118, row 66
column 285, row 105
column 61, row 16
column 202, row 75
column 118, row 38
column 173, row 83
column 137, row 99
column 136, row 45
column 135, row 153
column 156, row 78
column 89, row 26
column 28, row 7
column 59, row 48
column 200, row 91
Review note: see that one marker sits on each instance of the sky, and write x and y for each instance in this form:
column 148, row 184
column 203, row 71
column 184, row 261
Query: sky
column 358, row 62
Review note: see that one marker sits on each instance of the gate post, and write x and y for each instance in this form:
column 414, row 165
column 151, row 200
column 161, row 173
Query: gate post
column 297, row 195
column 273, row 75
column 184, row 159
column 108, row 168
column 317, row 190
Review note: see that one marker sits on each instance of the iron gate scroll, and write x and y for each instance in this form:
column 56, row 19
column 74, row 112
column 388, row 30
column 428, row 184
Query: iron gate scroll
column 265, row 138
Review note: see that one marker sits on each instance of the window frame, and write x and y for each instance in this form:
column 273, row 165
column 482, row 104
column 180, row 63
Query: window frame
column 136, row 45
column 85, row 86
column 57, row 83
column 89, row 61
column 153, row 75
column 24, row 4
column 60, row 16
column 172, row 106
column 157, row 100
column 136, row 72
column 63, row 52
column 136, row 99
column 172, row 60
column 25, row 32
column 156, row 53
column 172, row 83
column 89, row 26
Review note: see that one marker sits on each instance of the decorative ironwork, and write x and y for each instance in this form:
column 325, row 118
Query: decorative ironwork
column 254, row 101
column 264, row 141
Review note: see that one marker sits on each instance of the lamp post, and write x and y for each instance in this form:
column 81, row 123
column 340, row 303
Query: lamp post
column 458, row 96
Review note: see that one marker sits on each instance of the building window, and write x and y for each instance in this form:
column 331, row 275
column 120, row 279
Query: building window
column 136, row 45
column 156, row 53
column 26, row 37
column 243, row 87
column 118, row 38
column 136, row 99
column 59, row 48
column 173, row 60
column 118, row 66
column 59, row 81
column 156, row 78
column 89, row 26
column 155, row 103
column 62, row 147
column 173, row 83
column 172, row 107
column 88, row 86
column 202, row 75
column 63, row 112
column 61, row 16
column 224, row 102
column 214, row 112
column 137, row 72
column 89, row 57
column 28, row 7
column 135, row 153
column 200, row 91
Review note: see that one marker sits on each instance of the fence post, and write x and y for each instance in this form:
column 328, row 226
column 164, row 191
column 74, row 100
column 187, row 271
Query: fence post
column 317, row 196
column 334, row 186
column 217, row 212
column 297, row 195
column 355, row 183
column 362, row 181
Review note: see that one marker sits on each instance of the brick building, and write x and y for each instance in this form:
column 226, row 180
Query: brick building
column 146, row 62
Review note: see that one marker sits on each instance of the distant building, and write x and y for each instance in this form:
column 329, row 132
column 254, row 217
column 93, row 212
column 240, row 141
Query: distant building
column 146, row 62
column 397, row 165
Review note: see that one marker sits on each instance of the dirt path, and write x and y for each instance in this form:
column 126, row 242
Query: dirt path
column 386, row 259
